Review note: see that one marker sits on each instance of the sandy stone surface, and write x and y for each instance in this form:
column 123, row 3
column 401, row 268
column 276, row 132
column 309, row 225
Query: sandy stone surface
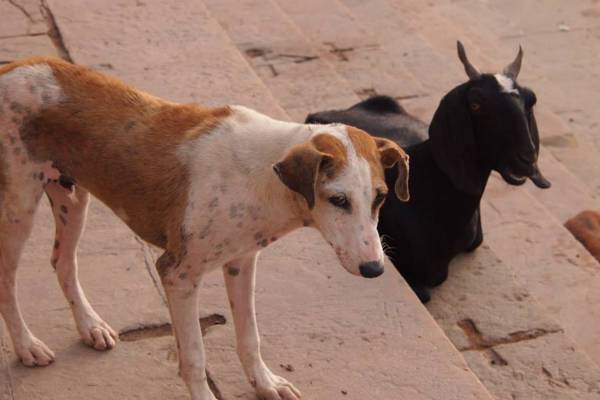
column 514, row 347
column 522, row 310
column 334, row 335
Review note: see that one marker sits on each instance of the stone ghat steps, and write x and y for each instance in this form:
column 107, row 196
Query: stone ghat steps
column 555, row 263
column 350, row 50
column 334, row 335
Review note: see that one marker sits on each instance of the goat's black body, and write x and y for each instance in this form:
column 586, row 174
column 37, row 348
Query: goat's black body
column 439, row 221
column 427, row 232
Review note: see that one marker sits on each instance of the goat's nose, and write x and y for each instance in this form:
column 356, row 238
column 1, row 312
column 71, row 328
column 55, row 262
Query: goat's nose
column 371, row 269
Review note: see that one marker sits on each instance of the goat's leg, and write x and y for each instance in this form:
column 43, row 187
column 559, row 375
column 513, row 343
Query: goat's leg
column 240, row 276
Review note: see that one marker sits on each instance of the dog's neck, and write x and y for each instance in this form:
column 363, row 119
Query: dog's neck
column 237, row 185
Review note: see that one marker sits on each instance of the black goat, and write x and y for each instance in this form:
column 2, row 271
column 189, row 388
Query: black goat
column 482, row 125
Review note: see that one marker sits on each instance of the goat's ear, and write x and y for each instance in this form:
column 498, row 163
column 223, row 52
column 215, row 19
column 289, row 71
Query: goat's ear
column 453, row 142
column 391, row 154
column 299, row 170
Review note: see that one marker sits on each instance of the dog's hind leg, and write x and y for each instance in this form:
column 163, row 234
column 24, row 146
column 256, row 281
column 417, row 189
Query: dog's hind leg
column 240, row 277
column 69, row 207
column 17, row 208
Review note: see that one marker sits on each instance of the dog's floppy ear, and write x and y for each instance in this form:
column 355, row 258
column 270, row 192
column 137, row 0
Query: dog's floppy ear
column 453, row 142
column 391, row 154
column 299, row 169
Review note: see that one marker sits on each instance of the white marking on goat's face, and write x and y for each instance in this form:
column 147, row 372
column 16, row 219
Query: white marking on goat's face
column 506, row 83
column 351, row 228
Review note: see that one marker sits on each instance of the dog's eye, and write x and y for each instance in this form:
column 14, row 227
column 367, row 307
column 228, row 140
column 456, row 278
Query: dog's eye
column 340, row 200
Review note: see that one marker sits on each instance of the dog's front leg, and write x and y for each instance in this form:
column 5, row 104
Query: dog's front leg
column 182, row 295
column 240, row 277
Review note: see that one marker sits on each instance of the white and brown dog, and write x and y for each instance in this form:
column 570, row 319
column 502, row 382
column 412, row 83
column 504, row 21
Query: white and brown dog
column 210, row 186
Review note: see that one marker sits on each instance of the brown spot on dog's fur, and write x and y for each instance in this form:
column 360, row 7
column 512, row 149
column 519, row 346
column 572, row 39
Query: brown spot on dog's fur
column 64, row 209
column 93, row 121
column 380, row 154
column 56, row 244
column 233, row 271
column 300, row 168
column 585, row 226
column 165, row 262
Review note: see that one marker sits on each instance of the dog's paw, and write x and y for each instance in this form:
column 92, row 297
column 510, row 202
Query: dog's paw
column 272, row 387
column 99, row 335
column 35, row 353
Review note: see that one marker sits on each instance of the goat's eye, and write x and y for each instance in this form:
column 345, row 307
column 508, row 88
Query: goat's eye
column 340, row 200
column 475, row 106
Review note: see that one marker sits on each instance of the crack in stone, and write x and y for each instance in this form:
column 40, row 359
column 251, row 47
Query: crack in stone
column 150, row 331
column 54, row 32
column 4, row 362
column 23, row 35
column 213, row 386
column 22, row 9
column 150, row 263
column 341, row 52
column 410, row 96
column 478, row 342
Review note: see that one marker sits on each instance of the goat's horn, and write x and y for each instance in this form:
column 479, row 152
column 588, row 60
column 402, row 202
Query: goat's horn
column 472, row 72
column 512, row 69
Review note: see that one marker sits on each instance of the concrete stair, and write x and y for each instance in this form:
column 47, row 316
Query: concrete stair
column 509, row 311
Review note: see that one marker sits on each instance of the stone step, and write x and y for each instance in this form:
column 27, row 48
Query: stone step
column 551, row 241
column 513, row 345
column 316, row 331
column 560, row 200
column 331, row 12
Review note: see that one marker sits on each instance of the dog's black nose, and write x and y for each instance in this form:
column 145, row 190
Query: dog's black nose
column 371, row 269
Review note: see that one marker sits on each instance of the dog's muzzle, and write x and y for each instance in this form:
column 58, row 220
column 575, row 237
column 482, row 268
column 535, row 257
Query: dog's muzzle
column 371, row 269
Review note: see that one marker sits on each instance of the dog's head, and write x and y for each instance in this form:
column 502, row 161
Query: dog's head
column 487, row 122
column 339, row 173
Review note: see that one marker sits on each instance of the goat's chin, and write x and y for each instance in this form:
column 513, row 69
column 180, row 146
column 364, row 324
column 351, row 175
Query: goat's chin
column 512, row 178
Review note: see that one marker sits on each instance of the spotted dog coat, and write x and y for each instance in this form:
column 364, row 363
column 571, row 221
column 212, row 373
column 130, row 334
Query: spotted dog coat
column 186, row 179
